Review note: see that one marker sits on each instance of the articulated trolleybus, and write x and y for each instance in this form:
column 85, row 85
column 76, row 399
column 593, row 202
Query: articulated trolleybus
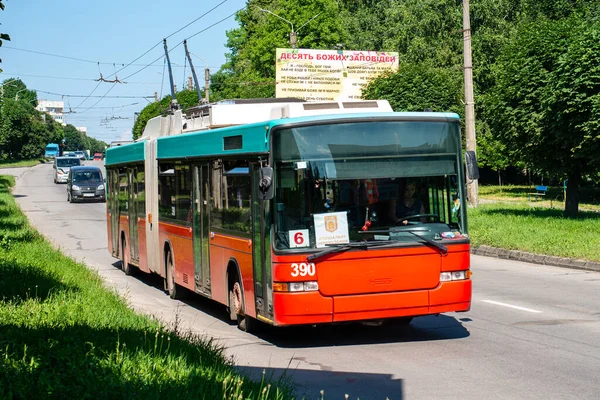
column 293, row 212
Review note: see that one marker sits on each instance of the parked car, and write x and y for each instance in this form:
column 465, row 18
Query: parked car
column 81, row 155
column 97, row 156
column 62, row 166
column 85, row 183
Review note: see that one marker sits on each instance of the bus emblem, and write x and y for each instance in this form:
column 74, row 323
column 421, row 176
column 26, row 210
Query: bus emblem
column 331, row 223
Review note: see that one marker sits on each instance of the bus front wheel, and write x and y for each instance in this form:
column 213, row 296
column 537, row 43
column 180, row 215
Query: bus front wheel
column 236, row 309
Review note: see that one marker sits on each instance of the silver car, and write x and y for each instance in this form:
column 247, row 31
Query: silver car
column 62, row 165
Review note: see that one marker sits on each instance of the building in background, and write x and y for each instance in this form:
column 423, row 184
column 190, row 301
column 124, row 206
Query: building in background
column 56, row 109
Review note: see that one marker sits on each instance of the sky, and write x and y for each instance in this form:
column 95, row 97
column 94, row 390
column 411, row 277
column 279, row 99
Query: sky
column 76, row 35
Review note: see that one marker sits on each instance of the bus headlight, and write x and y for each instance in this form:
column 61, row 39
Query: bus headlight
column 310, row 286
column 455, row 276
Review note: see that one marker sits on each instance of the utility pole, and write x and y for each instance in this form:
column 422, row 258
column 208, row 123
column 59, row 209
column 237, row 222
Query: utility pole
column 190, row 83
column 472, row 186
column 293, row 32
column 206, row 83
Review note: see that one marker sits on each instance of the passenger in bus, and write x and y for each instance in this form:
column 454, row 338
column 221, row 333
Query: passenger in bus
column 406, row 206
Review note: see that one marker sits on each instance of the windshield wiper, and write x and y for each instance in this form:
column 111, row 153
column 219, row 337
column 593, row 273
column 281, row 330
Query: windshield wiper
column 443, row 249
column 337, row 248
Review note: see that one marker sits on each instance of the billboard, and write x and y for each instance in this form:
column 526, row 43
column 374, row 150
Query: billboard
column 329, row 74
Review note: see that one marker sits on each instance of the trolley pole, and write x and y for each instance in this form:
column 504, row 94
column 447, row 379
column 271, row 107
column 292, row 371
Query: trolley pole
column 187, row 53
column 472, row 186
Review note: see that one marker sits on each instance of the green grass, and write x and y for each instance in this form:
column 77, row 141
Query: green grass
column 505, row 219
column 63, row 334
column 21, row 163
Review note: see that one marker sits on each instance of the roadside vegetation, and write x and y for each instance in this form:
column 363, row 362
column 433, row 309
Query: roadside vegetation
column 506, row 219
column 62, row 333
column 21, row 163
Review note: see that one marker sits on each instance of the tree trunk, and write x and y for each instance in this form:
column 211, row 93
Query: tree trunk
column 572, row 201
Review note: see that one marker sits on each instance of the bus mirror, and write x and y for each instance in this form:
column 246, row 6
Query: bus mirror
column 471, row 163
column 265, row 183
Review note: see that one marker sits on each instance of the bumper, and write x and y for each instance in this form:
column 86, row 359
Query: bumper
column 84, row 196
column 61, row 178
column 314, row 308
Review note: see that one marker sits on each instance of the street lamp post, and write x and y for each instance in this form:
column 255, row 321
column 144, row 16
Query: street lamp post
column 293, row 32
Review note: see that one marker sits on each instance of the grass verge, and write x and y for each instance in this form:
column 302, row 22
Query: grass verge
column 63, row 334
column 21, row 163
column 542, row 230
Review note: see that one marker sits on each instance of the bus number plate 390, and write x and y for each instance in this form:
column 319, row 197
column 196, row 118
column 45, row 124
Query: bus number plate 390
column 303, row 269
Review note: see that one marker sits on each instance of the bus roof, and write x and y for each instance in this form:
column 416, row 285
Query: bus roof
column 126, row 153
column 253, row 138
column 247, row 139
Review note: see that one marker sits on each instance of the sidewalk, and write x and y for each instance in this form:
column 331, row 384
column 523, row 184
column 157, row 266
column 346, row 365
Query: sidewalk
column 535, row 258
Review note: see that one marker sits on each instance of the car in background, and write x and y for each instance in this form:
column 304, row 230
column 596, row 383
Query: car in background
column 97, row 157
column 69, row 154
column 62, row 166
column 81, row 155
column 85, row 183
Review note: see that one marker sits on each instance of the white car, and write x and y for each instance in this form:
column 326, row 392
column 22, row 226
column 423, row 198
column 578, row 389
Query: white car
column 62, row 165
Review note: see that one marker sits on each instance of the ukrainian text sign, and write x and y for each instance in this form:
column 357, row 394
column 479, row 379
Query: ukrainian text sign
column 329, row 74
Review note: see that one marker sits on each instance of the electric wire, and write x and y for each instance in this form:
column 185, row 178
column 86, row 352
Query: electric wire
column 76, row 95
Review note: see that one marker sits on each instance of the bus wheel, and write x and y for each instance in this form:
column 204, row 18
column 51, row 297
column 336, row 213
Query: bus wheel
column 172, row 288
column 236, row 309
column 124, row 264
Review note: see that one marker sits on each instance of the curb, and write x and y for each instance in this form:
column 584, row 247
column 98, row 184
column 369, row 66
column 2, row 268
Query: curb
column 533, row 258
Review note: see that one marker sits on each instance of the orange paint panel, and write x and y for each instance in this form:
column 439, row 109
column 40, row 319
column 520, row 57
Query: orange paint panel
column 183, row 252
column 451, row 292
column 218, row 271
column 456, row 260
column 239, row 249
column 108, row 227
column 366, row 315
column 232, row 242
column 367, row 273
column 380, row 301
column 297, row 304
column 302, row 320
column 142, row 247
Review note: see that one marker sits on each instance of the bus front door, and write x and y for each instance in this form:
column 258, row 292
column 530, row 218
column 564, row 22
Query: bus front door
column 261, row 251
column 201, row 188
column 133, row 215
column 113, row 210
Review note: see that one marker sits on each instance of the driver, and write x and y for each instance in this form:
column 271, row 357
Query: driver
column 406, row 206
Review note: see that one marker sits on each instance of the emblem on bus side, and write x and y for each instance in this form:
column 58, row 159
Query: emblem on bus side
column 331, row 223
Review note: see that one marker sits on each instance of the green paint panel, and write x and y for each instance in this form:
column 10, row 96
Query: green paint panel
column 127, row 153
column 211, row 142
column 254, row 139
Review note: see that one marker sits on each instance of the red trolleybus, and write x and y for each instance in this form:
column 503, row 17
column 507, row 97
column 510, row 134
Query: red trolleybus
column 297, row 213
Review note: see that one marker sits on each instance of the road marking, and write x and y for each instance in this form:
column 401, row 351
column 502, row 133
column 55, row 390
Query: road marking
column 511, row 306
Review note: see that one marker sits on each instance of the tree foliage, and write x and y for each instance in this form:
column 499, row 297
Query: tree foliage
column 546, row 104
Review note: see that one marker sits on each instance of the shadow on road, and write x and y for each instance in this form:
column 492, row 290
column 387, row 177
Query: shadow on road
column 334, row 384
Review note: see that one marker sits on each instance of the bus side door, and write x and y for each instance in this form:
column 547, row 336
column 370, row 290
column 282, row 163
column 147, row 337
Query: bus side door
column 133, row 214
column 201, row 200
column 113, row 209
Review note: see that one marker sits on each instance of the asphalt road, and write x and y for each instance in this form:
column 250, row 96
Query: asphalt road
column 533, row 331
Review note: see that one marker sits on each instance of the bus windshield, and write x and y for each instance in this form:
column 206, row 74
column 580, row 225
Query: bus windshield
column 377, row 180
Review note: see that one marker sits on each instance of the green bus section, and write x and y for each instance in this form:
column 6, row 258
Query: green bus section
column 231, row 140
column 124, row 154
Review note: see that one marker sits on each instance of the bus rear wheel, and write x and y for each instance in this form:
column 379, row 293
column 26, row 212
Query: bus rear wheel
column 236, row 309
column 125, row 266
column 171, row 287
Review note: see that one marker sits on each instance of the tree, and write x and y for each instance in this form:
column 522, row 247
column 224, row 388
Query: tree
column 546, row 104
column 74, row 140
column 3, row 36
column 416, row 87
